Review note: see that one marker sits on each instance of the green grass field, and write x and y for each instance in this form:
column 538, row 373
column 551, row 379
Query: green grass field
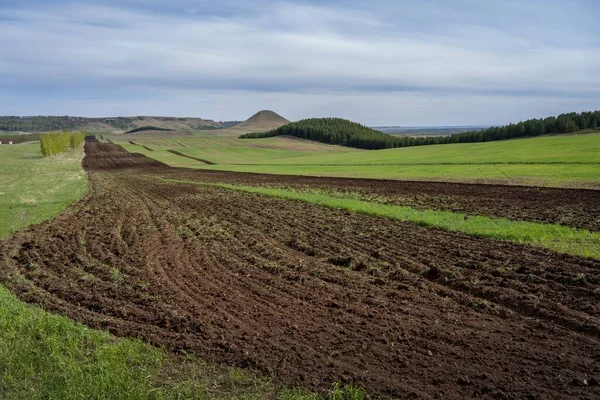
column 560, row 160
column 227, row 150
column 35, row 188
column 46, row 356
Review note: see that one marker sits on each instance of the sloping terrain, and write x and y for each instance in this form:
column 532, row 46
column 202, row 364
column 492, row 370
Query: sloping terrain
column 263, row 121
column 102, row 125
column 222, row 150
column 571, row 161
column 311, row 294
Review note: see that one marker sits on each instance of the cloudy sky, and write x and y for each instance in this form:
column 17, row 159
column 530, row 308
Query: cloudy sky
column 401, row 62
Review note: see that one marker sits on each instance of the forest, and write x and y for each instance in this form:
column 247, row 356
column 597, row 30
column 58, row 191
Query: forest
column 16, row 138
column 42, row 123
column 346, row 133
column 333, row 131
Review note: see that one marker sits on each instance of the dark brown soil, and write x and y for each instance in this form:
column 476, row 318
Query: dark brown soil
column 578, row 208
column 310, row 294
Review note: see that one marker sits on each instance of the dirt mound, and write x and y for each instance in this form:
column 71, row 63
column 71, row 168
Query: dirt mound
column 263, row 121
column 312, row 294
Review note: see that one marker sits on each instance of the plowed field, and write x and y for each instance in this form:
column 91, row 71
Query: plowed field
column 578, row 208
column 310, row 294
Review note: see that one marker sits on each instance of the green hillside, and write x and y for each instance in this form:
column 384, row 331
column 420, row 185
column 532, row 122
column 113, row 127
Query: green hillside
column 103, row 125
column 351, row 134
column 332, row 131
column 559, row 160
column 228, row 150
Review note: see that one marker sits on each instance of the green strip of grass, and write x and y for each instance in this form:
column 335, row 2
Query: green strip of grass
column 558, row 238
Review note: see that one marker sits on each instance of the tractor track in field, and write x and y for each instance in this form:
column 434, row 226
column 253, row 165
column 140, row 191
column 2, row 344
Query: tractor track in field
column 141, row 145
column 310, row 294
column 180, row 154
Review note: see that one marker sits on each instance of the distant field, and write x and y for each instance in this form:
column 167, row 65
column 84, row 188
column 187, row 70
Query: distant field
column 561, row 160
column 226, row 150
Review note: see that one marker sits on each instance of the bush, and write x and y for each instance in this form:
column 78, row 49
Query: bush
column 52, row 144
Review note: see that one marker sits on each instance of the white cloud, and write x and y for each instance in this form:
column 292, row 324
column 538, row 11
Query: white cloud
column 81, row 51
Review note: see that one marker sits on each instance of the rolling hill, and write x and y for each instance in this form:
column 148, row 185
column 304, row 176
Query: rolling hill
column 331, row 131
column 261, row 121
column 351, row 134
column 102, row 125
column 264, row 120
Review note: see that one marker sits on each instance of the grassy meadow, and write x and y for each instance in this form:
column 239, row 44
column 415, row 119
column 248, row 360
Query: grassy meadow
column 35, row 188
column 228, row 150
column 559, row 160
column 46, row 356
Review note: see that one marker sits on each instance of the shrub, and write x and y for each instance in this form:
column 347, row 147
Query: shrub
column 52, row 144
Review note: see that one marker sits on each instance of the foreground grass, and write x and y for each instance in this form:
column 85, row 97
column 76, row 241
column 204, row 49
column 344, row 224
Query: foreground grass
column 559, row 161
column 553, row 237
column 45, row 356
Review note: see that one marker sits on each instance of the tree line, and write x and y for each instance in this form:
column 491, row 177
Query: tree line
column 564, row 123
column 48, row 123
column 40, row 123
column 52, row 144
column 15, row 138
column 346, row 133
column 148, row 128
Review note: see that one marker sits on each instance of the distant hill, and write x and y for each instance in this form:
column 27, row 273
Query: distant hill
column 347, row 133
column 262, row 121
column 103, row 125
column 229, row 124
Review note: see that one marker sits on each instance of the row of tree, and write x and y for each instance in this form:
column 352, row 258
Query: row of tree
column 16, row 138
column 40, row 123
column 52, row 144
column 346, row 133
column 48, row 123
column 148, row 128
column 564, row 123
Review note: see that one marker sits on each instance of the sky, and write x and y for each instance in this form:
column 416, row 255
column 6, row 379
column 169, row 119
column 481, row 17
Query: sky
column 431, row 62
